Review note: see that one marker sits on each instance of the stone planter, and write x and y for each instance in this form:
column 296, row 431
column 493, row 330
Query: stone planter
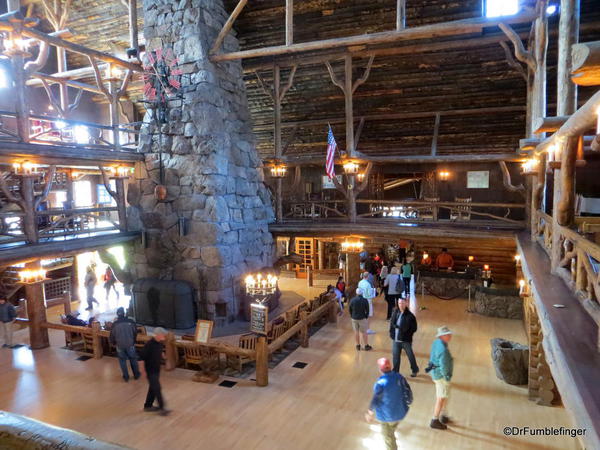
column 511, row 361
column 503, row 303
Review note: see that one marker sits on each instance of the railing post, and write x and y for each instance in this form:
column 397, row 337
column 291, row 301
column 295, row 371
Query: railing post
column 262, row 361
column 96, row 342
column 21, row 109
column 30, row 228
column 114, row 114
column 170, row 352
column 333, row 307
column 67, row 302
column 304, row 330
column 122, row 208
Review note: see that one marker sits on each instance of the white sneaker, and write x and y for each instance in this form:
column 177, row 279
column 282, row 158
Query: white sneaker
column 370, row 332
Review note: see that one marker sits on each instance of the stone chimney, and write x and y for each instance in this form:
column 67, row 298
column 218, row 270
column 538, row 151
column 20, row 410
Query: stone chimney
column 212, row 227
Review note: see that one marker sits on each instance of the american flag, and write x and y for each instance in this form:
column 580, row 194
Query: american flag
column 329, row 161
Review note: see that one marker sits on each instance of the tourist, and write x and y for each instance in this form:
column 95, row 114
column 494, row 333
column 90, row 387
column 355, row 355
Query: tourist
column 152, row 357
column 359, row 314
column 74, row 320
column 407, row 271
column 7, row 318
column 109, row 282
column 90, row 282
column 440, row 366
column 390, row 403
column 369, row 292
column 338, row 296
column 122, row 336
column 340, row 286
column 403, row 325
column 444, row 260
column 393, row 283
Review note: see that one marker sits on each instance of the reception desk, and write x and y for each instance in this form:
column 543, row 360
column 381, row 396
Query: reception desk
column 445, row 285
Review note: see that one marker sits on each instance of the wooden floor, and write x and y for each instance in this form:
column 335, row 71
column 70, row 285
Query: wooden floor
column 318, row 407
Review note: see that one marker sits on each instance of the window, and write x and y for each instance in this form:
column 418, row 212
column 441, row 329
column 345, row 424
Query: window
column 104, row 198
column 498, row 8
column 4, row 78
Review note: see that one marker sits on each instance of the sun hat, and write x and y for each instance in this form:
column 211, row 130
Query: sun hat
column 442, row 331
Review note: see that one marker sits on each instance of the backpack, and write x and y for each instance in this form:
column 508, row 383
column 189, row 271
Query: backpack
column 399, row 284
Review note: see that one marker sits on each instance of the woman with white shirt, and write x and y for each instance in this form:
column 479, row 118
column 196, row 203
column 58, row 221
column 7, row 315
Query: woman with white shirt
column 393, row 282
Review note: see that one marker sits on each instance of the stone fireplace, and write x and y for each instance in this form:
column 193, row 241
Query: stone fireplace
column 211, row 169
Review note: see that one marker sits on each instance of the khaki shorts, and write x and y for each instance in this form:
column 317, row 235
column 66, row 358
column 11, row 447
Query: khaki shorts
column 442, row 388
column 360, row 325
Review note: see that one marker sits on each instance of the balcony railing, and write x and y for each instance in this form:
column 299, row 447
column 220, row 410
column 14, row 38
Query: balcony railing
column 579, row 259
column 411, row 211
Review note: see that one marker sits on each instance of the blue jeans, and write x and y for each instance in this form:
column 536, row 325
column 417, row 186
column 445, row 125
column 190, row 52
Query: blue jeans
column 130, row 354
column 397, row 350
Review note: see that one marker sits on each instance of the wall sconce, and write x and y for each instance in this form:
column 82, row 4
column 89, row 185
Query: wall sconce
column 352, row 246
column 278, row 170
column 471, row 259
column 350, row 168
column 123, row 171
column 529, row 167
column 518, row 260
column 444, row 175
column 360, row 177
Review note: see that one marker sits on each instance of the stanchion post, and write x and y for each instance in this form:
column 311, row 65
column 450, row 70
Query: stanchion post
column 262, row 362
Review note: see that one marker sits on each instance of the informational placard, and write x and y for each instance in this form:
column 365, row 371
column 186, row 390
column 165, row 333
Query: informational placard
column 328, row 184
column 203, row 331
column 478, row 179
column 259, row 318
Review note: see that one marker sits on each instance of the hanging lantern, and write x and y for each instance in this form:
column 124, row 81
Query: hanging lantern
column 350, row 168
column 360, row 177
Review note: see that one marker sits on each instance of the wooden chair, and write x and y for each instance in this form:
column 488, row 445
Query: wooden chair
column 429, row 212
column 461, row 212
column 201, row 356
column 247, row 341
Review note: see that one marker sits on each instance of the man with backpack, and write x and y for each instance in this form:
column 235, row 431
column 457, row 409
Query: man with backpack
column 390, row 403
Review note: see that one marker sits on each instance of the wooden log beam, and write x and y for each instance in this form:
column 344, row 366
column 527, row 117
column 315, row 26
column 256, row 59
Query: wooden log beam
column 64, row 155
column 549, row 124
column 513, row 157
column 398, row 116
column 454, row 28
column 38, row 77
column 586, row 63
column 75, row 74
column 580, row 123
column 227, row 26
column 80, row 49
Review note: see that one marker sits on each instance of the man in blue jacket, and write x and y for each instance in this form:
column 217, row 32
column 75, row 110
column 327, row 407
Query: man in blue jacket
column 441, row 364
column 391, row 398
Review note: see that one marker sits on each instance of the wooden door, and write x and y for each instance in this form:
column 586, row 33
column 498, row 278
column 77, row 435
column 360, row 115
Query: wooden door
column 305, row 247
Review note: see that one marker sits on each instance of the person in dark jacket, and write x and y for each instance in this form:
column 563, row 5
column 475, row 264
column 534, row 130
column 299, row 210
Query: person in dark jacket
column 8, row 315
column 74, row 320
column 390, row 403
column 403, row 324
column 152, row 357
column 122, row 336
column 359, row 313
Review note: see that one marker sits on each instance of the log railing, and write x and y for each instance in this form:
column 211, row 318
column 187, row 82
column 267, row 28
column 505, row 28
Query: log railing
column 417, row 211
column 58, row 223
column 305, row 314
column 579, row 262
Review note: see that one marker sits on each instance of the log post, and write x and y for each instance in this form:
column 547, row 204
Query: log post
column 21, row 109
column 67, row 302
column 586, row 64
column 289, row 22
column 401, row 15
column 568, row 35
column 304, row 330
column 565, row 206
column 348, row 94
column 113, row 108
column 36, row 312
column 262, row 362
column 278, row 150
column 333, row 311
column 30, row 228
column 133, row 27
column 121, row 203
column 352, row 272
column 170, row 352
column 96, row 340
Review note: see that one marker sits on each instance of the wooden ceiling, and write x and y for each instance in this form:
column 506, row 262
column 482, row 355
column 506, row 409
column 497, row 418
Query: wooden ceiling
column 469, row 78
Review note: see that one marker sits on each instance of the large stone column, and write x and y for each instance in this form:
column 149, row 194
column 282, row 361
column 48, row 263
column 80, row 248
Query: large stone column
column 212, row 171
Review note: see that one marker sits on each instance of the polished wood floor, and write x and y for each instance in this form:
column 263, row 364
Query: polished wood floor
column 318, row 407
